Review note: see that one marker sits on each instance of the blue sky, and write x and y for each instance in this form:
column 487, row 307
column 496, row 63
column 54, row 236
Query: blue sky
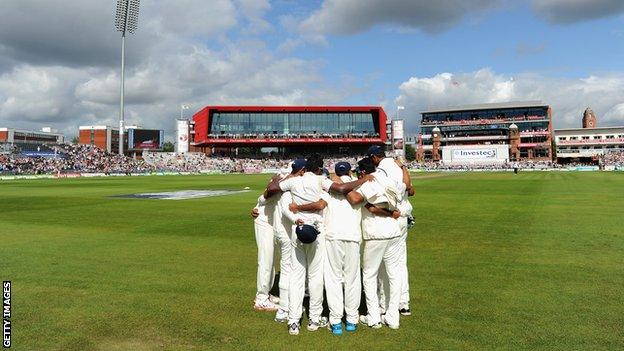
column 509, row 40
column 414, row 53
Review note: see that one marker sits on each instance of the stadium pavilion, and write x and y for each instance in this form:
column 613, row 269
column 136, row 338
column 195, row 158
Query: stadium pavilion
column 589, row 143
column 288, row 129
column 29, row 142
column 486, row 133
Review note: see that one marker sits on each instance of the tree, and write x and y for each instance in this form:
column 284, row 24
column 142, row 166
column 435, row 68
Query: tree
column 410, row 153
column 168, row 146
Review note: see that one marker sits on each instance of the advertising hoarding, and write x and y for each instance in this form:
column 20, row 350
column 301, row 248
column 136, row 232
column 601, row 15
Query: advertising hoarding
column 398, row 138
column 472, row 154
column 182, row 136
column 145, row 139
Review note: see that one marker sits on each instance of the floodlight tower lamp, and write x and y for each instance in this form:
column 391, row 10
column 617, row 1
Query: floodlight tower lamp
column 126, row 21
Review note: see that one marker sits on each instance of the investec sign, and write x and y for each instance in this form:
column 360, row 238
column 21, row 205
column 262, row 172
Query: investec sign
column 473, row 154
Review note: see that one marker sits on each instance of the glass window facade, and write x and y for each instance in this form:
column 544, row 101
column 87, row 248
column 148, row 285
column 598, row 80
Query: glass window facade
column 292, row 123
column 505, row 113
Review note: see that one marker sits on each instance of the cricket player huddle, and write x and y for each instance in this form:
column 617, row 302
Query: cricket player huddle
column 318, row 223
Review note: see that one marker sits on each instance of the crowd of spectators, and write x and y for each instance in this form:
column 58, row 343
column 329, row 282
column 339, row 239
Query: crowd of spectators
column 613, row 159
column 440, row 166
column 198, row 162
column 89, row 159
column 450, row 120
column 71, row 158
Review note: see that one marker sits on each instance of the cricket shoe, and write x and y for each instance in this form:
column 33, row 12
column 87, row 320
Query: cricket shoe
column 405, row 311
column 315, row 325
column 274, row 299
column 293, row 329
column 281, row 316
column 350, row 327
column 391, row 326
column 365, row 320
column 336, row 329
column 265, row 305
column 382, row 309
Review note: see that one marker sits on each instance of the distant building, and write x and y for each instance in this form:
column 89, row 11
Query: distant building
column 44, row 136
column 587, row 144
column 289, row 129
column 589, row 119
column 136, row 139
column 103, row 137
column 29, row 142
column 486, row 133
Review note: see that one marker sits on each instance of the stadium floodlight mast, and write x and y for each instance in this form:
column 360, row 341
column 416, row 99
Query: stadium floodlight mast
column 126, row 21
column 182, row 108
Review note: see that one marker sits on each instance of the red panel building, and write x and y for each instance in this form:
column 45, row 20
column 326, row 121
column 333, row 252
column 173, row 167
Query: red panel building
column 103, row 137
column 291, row 128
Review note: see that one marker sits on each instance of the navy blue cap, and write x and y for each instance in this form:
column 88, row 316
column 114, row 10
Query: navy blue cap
column 375, row 150
column 342, row 168
column 298, row 164
column 306, row 233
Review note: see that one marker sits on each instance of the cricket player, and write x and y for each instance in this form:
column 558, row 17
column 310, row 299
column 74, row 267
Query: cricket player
column 398, row 172
column 283, row 222
column 382, row 243
column 342, row 246
column 265, row 240
column 307, row 258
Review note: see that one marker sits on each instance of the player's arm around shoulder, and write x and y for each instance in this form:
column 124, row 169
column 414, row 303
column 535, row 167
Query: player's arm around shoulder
column 382, row 212
column 311, row 207
column 345, row 188
column 407, row 180
column 277, row 185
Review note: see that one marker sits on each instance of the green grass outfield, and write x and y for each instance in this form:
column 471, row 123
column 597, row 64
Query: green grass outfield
column 497, row 261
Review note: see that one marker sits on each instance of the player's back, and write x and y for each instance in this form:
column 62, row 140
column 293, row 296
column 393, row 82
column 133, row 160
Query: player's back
column 342, row 220
column 377, row 193
column 391, row 169
column 305, row 189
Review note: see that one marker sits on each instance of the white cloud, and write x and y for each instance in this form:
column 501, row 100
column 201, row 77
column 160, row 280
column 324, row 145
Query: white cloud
column 182, row 53
column 191, row 18
column 254, row 11
column 572, row 11
column 567, row 96
column 37, row 94
column 353, row 16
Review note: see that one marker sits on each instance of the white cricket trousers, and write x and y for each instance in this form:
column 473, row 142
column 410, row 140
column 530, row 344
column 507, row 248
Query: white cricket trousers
column 285, row 246
column 265, row 240
column 342, row 268
column 306, row 259
column 377, row 252
column 403, row 273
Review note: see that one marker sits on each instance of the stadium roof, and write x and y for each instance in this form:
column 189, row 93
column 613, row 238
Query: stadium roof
column 5, row 129
column 590, row 130
column 490, row 106
column 304, row 108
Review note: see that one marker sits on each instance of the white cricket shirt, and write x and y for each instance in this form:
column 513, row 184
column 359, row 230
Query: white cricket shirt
column 342, row 221
column 389, row 166
column 377, row 227
column 305, row 189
